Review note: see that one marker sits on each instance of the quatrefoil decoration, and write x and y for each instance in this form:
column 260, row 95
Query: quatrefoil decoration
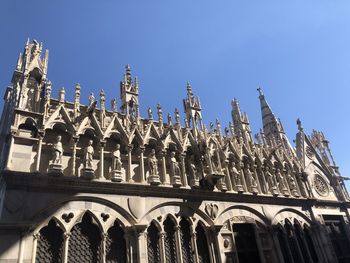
column 67, row 217
column 104, row 217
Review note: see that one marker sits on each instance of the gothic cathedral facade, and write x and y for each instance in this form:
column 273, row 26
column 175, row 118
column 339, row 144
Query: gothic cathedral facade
column 90, row 183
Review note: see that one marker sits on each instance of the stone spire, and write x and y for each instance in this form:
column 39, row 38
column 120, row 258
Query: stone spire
column 272, row 127
column 240, row 122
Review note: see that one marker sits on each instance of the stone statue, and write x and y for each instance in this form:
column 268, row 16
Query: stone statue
column 152, row 163
column 250, row 178
column 57, row 151
column 174, row 164
column 88, row 155
column 175, row 170
column 235, row 175
column 192, row 170
column 281, row 184
column 91, row 99
column 116, row 159
column 269, row 177
column 150, row 114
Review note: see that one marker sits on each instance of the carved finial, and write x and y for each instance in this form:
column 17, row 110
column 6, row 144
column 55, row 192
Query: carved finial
column 62, row 95
column 187, row 124
column 102, row 99
column 150, row 113
column 260, row 91
column 212, row 131
column 170, row 122
column 177, row 116
column 114, row 105
column 91, row 99
column 300, row 127
column 160, row 114
column 189, row 88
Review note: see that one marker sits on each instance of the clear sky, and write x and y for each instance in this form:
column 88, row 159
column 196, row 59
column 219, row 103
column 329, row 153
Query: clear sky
column 297, row 51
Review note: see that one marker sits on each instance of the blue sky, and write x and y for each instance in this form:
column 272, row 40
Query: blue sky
column 298, row 51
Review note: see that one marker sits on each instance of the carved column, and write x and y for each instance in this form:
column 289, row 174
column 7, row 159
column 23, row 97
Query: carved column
column 162, row 246
column 142, row 165
column 183, row 170
column 164, row 179
column 178, row 243
column 74, row 153
column 66, row 237
column 141, row 244
column 103, row 246
column 102, row 147
column 38, row 155
column 129, row 172
column 36, row 236
column 229, row 184
column 194, row 244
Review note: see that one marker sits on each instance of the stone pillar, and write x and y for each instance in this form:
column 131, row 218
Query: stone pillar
column 9, row 156
column 102, row 146
column 142, row 165
column 74, row 153
column 103, row 246
column 129, row 172
column 162, row 246
column 38, row 155
column 165, row 179
column 229, row 184
column 66, row 237
column 36, row 236
column 141, row 245
column 178, row 243
column 194, row 244
column 183, row 170
column 213, row 244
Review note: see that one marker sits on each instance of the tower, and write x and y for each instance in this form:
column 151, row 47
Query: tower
column 193, row 113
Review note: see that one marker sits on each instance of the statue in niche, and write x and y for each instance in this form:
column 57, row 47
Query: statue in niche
column 57, row 151
column 175, row 167
column 250, row 178
column 291, row 182
column 235, row 174
column 175, row 170
column 88, row 155
column 280, row 180
column 271, row 180
column 152, row 163
column 192, row 170
column 116, row 159
column 55, row 167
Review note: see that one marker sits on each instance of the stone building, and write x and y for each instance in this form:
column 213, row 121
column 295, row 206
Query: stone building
column 91, row 183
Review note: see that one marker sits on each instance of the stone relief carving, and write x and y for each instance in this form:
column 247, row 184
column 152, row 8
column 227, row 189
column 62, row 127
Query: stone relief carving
column 212, row 210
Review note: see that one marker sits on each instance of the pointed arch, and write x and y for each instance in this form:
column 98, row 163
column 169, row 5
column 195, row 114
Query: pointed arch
column 170, row 239
column 85, row 241
column 185, row 240
column 202, row 244
column 50, row 244
column 115, row 244
column 153, row 243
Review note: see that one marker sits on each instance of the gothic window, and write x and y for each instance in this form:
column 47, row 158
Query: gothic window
column 202, row 245
column 50, row 244
column 246, row 246
column 310, row 244
column 186, row 244
column 85, row 242
column 293, row 242
column 115, row 245
column 169, row 241
column 283, row 242
column 337, row 235
column 302, row 243
column 153, row 248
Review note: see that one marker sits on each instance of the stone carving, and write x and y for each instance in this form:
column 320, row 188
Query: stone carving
column 116, row 165
column 271, row 180
column 320, row 185
column 236, row 177
column 252, row 184
column 192, row 170
column 87, row 171
column 67, row 217
column 55, row 168
column 152, row 162
column 281, row 185
column 175, row 170
column 212, row 210
column 291, row 182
